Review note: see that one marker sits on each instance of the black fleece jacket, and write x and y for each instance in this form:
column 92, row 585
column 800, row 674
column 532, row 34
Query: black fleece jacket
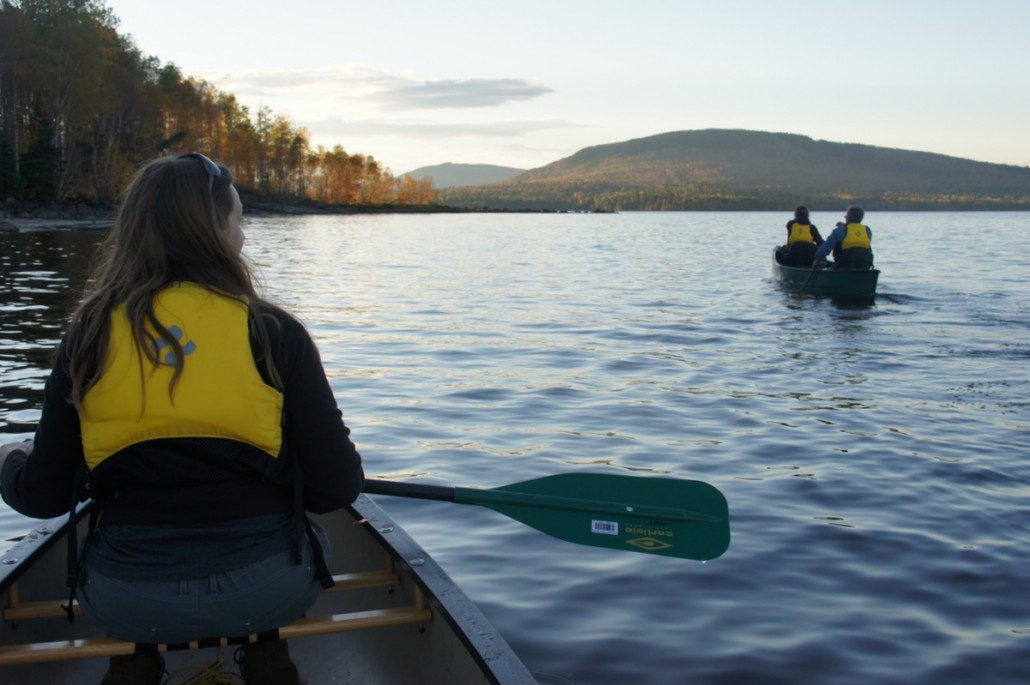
column 197, row 480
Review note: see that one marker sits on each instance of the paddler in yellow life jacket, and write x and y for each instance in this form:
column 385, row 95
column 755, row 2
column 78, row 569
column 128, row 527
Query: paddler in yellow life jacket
column 851, row 243
column 201, row 419
column 802, row 240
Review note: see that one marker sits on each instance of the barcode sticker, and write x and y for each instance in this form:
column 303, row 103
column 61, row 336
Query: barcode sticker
column 604, row 527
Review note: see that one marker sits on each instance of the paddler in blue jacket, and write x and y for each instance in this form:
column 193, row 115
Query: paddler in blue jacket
column 851, row 243
column 199, row 416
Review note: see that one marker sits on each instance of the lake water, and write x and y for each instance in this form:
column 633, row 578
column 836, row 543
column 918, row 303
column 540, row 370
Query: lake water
column 875, row 459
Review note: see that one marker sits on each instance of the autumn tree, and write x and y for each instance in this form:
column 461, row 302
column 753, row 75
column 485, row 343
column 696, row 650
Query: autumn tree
column 81, row 108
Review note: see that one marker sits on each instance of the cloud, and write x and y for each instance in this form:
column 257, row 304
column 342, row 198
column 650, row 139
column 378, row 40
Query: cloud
column 355, row 78
column 476, row 92
column 380, row 89
column 429, row 130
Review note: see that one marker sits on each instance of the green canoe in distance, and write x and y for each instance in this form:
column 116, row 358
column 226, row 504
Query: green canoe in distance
column 857, row 284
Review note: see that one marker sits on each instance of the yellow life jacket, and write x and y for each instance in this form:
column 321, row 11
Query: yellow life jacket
column 800, row 233
column 220, row 393
column 857, row 236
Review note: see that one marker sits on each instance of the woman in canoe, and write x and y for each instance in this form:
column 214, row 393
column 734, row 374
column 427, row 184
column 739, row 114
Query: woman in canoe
column 198, row 417
column 803, row 240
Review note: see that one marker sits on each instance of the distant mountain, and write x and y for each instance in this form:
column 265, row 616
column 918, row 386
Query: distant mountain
column 452, row 175
column 738, row 169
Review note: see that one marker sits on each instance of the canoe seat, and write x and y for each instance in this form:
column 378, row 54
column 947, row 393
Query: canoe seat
column 54, row 608
column 417, row 613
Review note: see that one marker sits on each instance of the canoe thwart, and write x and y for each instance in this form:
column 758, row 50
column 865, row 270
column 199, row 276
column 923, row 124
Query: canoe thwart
column 417, row 613
column 305, row 627
column 49, row 608
column 54, row 608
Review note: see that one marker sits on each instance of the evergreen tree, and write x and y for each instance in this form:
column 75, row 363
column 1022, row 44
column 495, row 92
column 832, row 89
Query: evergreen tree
column 8, row 169
column 40, row 165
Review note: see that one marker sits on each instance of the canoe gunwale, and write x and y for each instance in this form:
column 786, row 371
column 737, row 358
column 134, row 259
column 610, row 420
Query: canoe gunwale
column 19, row 558
column 450, row 601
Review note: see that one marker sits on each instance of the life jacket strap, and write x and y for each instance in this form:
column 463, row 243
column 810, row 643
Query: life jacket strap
column 304, row 529
column 72, row 577
column 322, row 573
column 75, row 560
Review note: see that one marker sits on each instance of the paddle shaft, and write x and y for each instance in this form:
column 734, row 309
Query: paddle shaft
column 416, row 490
column 491, row 498
column 811, row 273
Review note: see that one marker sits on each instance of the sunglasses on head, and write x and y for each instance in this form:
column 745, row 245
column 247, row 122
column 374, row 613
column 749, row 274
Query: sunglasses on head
column 210, row 167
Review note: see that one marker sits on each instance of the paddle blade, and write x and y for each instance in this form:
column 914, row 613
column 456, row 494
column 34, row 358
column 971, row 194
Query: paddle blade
column 687, row 519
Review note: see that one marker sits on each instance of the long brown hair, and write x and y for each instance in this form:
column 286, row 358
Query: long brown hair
column 171, row 227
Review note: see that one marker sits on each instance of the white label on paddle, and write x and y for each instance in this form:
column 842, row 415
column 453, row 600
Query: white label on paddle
column 604, row 527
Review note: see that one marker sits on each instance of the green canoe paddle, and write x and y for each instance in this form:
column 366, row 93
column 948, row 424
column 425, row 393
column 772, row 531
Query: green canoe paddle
column 687, row 519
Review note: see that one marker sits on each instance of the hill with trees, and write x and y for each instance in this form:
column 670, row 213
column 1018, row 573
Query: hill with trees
column 451, row 175
column 739, row 169
column 81, row 107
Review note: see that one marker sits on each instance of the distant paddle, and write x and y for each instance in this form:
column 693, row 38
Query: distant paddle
column 810, row 274
column 670, row 517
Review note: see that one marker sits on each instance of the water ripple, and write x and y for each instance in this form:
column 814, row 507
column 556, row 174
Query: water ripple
column 873, row 456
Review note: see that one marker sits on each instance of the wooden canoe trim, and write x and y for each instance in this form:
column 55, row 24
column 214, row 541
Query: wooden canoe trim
column 358, row 620
column 50, row 608
column 359, row 581
column 38, row 652
column 306, row 627
column 53, row 608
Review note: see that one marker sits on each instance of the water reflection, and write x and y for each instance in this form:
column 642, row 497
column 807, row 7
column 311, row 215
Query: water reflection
column 853, row 301
column 484, row 350
column 801, row 301
column 41, row 280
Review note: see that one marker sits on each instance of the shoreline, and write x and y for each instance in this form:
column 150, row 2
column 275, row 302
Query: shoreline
column 26, row 217
column 18, row 225
column 31, row 217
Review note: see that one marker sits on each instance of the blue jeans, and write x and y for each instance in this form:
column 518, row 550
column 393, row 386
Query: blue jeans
column 261, row 596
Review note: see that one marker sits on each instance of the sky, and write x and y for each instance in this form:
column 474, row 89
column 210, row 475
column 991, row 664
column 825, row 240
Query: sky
column 524, row 83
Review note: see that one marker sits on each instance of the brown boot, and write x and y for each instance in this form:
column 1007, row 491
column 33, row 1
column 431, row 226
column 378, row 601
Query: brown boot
column 269, row 663
column 135, row 669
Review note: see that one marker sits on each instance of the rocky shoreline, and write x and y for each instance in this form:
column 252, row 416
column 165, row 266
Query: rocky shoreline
column 26, row 217
column 19, row 225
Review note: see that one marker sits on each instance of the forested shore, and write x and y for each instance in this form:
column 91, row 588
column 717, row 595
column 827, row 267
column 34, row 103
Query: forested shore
column 81, row 107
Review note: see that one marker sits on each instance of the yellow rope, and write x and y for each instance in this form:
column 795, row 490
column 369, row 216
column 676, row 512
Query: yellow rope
column 212, row 674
